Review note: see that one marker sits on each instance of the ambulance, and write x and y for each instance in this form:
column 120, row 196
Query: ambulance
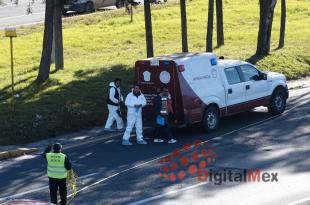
column 204, row 88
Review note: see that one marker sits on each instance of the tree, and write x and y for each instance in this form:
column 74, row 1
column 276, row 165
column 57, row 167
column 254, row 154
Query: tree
column 219, row 23
column 283, row 22
column 148, row 28
column 265, row 26
column 184, row 26
column 44, row 68
column 52, row 32
column 59, row 59
column 210, row 26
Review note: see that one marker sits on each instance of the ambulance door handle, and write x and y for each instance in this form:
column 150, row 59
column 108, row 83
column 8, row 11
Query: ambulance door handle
column 247, row 87
column 229, row 91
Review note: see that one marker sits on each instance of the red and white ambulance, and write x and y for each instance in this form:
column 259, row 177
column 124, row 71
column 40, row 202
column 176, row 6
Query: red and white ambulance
column 204, row 88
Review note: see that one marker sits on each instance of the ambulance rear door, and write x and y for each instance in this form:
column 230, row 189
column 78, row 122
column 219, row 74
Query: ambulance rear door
column 155, row 73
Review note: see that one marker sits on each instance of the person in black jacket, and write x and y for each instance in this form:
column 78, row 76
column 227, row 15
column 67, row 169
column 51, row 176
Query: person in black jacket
column 57, row 166
column 162, row 126
column 114, row 100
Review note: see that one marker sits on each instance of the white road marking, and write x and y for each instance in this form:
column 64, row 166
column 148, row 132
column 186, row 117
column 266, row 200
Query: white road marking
column 300, row 201
column 157, row 158
column 5, row 6
column 27, row 24
column 201, row 184
column 168, row 193
column 39, row 189
column 12, row 17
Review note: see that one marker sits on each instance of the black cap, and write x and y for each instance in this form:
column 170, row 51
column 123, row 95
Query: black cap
column 57, row 147
column 136, row 85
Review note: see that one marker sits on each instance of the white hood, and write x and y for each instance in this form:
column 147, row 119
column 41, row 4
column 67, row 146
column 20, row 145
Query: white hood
column 112, row 84
column 275, row 76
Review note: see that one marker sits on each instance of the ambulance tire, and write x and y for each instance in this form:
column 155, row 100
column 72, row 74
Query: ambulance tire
column 211, row 119
column 277, row 103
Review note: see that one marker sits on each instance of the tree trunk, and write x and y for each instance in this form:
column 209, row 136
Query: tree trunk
column 283, row 22
column 53, row 46
column 59, row 57
column 148, row 28
column 270, row 21
column 219, row 23
column 265, row 26
column 210, row 26
column 184, row 26
column 44, row 69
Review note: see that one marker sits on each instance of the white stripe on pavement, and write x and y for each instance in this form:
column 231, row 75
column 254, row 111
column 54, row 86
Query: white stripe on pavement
column 39, row 189
column 301, row 201
column 12, row 17
column 168, row 193
column 159, row 157
column 201, row 184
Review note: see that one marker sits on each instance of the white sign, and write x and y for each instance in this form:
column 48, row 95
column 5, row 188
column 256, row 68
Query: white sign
column 164, row 77
column 147, row 76
column 10, row 32
column 154, row 62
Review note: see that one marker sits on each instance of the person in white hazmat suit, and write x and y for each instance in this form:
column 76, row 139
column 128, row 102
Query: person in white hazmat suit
column 114, row 99
column 135, row 101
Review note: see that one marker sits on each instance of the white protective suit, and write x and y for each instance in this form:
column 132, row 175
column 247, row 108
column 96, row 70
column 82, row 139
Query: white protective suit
column 113, row 115
column 134, row 115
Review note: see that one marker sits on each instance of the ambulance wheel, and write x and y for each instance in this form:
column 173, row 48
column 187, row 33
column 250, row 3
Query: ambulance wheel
column 278, row 102
column 211, row 119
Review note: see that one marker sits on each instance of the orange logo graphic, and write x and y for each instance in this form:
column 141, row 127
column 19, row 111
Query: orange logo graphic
column 191, row 160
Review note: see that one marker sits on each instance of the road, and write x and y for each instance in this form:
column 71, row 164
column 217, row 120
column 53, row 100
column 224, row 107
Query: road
column 16, row 15
column 114, row 174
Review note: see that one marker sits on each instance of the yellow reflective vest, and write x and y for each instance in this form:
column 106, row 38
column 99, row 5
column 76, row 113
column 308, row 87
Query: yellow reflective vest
column 56, row 165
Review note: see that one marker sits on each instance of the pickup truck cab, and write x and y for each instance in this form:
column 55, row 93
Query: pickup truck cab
column 204, row 88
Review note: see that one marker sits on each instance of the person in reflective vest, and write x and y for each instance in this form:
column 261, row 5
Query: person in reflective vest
column 57, row 167
column 163, row 109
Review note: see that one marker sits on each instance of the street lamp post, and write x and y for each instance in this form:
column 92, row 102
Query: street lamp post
column 11, row 33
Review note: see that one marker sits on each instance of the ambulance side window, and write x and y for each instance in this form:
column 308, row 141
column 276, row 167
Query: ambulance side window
column 232, row 75
column 248, row 72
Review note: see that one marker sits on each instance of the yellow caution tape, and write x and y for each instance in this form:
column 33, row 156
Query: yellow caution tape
column 72, row 180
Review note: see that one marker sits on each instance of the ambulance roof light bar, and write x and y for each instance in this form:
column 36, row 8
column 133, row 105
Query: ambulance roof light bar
column 213, row 61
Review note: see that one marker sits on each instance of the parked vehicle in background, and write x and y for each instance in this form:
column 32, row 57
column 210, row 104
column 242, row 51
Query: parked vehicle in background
column 87, row 6
column 158, row 1
column 204, row 89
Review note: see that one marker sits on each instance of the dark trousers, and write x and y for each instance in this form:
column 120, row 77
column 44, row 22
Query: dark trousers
column 163, row 131
column 62, row 185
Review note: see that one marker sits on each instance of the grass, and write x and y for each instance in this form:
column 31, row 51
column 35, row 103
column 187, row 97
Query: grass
column 101, row 46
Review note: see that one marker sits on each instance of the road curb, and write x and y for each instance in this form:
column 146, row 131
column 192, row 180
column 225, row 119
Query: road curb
column 17, row 152
column 299, row 84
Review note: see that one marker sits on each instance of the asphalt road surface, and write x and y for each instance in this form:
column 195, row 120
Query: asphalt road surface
column 16, row 15
column 114, row 174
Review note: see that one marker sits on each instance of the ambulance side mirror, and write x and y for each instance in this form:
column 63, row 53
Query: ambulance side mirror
column 260, row 76
column 256, row 78
column 263, row 76
column 181, row 68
